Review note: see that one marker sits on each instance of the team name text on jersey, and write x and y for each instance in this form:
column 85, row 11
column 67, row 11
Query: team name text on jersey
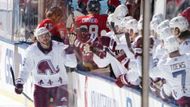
column 89, row 20
column 178, row 66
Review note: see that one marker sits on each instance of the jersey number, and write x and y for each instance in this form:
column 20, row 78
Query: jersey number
column 93, row 29
column 183, row 76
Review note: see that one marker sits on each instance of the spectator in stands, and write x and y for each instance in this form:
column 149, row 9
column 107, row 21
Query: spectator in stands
column 80, row 11
column 182, row 5
column 82, row 4
column 112, row 4
column 47, row 61
column 53, row 23
column 186, row 13
column 134, row 8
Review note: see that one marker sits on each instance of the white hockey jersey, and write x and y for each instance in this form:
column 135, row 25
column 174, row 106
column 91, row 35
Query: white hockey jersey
column 48, row 70
column 185, row 47
column 159, row 52
column 176, row 71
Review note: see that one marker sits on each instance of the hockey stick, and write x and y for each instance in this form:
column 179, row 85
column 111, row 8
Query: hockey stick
column 13, row 77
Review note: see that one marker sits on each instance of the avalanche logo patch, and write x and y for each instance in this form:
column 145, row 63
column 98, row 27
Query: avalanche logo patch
column 45, row 67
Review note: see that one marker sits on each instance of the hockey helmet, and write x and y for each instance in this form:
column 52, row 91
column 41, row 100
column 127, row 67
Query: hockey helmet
column 162, row 25
column 179, row 22
column 110, row 18
column 93, row 6
column 40, row 31
column 165, row 32
column 121, row 11
column 154, row 24
column 132, row 25
column 159, row 16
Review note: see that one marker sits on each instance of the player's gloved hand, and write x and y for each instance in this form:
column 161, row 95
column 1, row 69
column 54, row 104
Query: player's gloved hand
column 156, row 84
column 72, row 38
column 120, row 81
column 102, row 54
column 19, row 86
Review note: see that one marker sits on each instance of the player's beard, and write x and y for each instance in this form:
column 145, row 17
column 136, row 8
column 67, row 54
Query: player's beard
column 45, row 43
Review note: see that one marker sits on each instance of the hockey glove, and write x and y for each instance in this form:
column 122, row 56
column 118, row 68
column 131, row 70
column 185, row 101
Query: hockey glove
column 156, row 84
column 101, row 54
column 119, row 82
column 19, row 86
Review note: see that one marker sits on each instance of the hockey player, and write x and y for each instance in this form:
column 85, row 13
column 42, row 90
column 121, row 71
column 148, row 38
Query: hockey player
column 86, row 46
column 132, row 77
column 132, row 28
column 94, row 30
column 46, row 60
column 117, row 42
column 160, row 50
column 174, row 70
column 179, row 26
column 156, row 20
column 159, row 35
column 93, row 21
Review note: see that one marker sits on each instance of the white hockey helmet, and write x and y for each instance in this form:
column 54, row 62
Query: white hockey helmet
column 165, row 32
column 179, row 22
column 124, row 21
column 121, row 11
column 159, row 16
column 117, row 22
column 132, row 24
column 154, row 24
column 110, row 18
column 162, row 25
column 40, row 31
column 171, row 44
